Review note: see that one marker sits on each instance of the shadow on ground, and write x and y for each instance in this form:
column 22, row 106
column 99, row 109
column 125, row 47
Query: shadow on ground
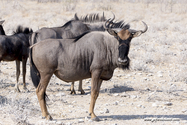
column 176, row 117
column 117, row 89
column 132, row 117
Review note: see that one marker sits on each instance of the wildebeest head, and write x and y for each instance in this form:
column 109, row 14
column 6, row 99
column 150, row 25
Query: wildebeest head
column 124, row 36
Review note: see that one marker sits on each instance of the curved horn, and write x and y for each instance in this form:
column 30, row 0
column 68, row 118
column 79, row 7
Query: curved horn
column 146, row 27
column 139, row 32
column 106, row 26
column 113, row 17
column 110, row 23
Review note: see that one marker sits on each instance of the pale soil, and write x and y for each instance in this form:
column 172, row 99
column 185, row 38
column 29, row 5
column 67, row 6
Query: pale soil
column 157, row 75
column 129, row 98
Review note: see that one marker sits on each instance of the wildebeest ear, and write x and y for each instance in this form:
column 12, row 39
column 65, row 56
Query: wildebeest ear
column 1, row 22
column 137, row 34
column 112, row 32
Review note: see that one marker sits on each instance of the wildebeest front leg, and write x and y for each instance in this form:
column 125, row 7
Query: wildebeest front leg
column 95, row 87
column 72, row 88
column 80, row 87
column 17, row 75
column 40, row 91
column 24, row 61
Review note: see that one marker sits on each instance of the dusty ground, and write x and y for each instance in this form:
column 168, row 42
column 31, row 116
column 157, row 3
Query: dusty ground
column 153, row 91
column 128, row 98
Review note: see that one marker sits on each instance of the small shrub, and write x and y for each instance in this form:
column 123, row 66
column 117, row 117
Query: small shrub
column 18, row 111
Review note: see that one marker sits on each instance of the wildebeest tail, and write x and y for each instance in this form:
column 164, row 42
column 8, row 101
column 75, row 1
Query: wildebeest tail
column 35, row 75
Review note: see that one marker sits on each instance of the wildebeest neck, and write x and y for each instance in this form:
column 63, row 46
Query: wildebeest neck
column 71, row 29
column 96, row 26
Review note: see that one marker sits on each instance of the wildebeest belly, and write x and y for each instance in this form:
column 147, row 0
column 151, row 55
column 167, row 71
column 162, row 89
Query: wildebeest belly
column 71, row 74
column 8, row 58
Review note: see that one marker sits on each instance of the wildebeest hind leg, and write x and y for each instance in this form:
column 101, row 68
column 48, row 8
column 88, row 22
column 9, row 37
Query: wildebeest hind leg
column 24, row 61
column 17, row 75
column 95, row 87
column 80, row 87
column 40, row 91
column 72, row 88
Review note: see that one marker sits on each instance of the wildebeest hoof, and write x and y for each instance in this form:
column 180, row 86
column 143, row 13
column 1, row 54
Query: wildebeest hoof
column 17, row 90
column 47, row 118
column 73, row 92
column 95, row 119
column 82, row 92
column 25, row 89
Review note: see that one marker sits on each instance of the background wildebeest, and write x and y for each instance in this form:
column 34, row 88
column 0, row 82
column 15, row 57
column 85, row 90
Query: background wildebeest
column 71, row 29
column 15, row 47
column 2, row 32
column 98, row 56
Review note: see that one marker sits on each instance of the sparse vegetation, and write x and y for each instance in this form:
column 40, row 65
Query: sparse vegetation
column 17, row 109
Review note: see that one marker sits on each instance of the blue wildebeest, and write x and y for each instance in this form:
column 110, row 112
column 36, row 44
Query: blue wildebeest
column 2, row 32
column 71, row 29
column 16, row 47
column 92, row 55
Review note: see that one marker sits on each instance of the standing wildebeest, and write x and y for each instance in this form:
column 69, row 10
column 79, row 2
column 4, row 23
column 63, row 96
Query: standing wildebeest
column 71, row 29
column 15, row 47
column 2, row 32
column 92, row 55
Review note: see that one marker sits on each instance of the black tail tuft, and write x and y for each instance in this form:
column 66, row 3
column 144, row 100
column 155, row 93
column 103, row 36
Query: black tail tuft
column 35, row 75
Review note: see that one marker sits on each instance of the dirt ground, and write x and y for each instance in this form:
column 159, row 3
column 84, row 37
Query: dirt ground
column 153, row 91
column 128, row 98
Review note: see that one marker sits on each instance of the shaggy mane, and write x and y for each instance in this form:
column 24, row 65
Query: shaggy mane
column 118, row 24
column 91, row 18
column 21, row 29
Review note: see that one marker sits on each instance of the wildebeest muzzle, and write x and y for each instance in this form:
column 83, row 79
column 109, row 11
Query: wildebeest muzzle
column 123, row 58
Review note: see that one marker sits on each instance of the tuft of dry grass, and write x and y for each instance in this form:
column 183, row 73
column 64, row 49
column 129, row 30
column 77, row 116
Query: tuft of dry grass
column 17, row 110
